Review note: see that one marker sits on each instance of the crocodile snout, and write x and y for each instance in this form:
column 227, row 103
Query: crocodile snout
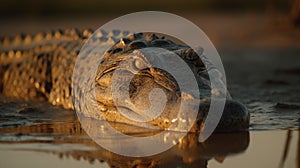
column 235, row 117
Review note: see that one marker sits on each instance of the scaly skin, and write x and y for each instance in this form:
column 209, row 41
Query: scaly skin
column 42, row 68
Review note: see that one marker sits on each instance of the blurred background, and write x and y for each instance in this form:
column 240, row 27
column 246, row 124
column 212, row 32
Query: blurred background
column 58, row 8
column 227, row 23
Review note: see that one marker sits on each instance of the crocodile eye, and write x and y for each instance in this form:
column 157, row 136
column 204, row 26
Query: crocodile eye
column 139, row 64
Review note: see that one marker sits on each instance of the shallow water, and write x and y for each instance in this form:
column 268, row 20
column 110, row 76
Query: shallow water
column 257, row 149
column 266, row 149
column 260, row 153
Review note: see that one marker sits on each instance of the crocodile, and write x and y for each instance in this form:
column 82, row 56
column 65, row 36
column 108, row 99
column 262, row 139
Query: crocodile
column 40, row 67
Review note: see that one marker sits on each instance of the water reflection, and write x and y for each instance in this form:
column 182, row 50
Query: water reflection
column 298, row 153
column 286, row 149
column 188, row 153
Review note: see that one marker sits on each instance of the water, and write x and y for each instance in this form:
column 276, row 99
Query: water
column 257, row 149
column 266, row 149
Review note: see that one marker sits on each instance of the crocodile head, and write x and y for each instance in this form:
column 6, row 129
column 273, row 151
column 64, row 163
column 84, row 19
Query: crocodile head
column 125, row 62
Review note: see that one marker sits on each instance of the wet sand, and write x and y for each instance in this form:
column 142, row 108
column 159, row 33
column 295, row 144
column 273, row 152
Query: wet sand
column 262, row 67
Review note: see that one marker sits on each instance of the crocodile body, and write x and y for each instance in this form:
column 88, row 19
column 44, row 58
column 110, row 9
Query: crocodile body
column 41, row 67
